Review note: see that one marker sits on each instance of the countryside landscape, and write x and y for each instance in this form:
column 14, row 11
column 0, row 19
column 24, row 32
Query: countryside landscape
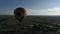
column 8, row 23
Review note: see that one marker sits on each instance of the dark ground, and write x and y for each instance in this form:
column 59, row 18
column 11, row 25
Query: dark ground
column 9, row 25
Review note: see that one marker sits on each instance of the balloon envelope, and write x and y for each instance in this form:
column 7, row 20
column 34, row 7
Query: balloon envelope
column 20, row 13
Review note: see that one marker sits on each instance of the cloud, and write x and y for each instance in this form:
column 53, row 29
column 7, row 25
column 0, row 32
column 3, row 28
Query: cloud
column 50, row 11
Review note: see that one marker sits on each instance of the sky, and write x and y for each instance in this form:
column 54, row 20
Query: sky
column 33, row 7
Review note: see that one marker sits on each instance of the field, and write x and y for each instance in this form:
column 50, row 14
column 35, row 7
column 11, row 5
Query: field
column 8, row 23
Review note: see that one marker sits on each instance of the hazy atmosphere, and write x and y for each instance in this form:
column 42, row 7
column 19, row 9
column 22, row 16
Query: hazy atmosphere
column 33, row 7
column 43, row 17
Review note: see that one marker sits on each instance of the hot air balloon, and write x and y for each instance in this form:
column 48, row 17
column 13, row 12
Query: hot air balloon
column 20, row 13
